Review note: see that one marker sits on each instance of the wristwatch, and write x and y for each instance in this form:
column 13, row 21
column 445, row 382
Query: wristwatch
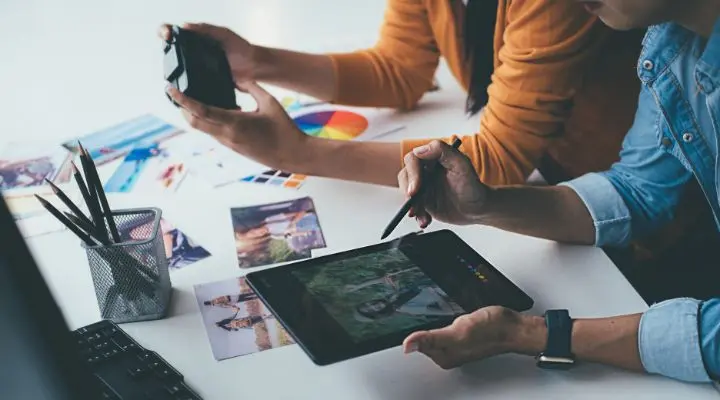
column 557, row 354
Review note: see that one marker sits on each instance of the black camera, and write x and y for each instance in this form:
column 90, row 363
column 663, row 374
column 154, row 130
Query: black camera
column 198, row 67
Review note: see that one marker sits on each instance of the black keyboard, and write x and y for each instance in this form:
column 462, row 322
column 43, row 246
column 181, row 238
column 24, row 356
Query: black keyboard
column 126, row 370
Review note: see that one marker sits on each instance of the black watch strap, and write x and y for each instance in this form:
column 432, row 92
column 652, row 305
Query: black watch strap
column 558, row 349
column 559, row 327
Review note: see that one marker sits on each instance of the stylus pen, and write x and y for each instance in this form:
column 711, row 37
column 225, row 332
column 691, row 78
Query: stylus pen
column 66, row 200
column 60, row 217
column 408, row 204
column 104, row 206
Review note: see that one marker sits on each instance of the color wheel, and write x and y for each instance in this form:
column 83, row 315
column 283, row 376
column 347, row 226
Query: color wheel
column 340, row 125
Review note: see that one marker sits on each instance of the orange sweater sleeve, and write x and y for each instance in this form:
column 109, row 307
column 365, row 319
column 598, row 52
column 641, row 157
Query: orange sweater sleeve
column 539, row 68
column 399, row 69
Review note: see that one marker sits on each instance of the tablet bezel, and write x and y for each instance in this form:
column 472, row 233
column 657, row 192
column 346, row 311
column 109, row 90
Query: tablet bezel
column 326, row 341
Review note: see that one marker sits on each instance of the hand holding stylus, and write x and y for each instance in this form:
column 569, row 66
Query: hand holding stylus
column 452, row 193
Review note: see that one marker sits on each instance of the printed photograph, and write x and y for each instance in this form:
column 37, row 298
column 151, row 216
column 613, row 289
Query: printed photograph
column 376, row 294
column 180, row 249
column 116, row 141
column 236, row 320
column 30, row 216
column 276, row 233
column 27, row 165
column 148, row 169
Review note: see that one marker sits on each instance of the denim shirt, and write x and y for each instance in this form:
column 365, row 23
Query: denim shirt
column 674, row 138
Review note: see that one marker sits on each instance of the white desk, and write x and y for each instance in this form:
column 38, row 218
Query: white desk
column 75, row 66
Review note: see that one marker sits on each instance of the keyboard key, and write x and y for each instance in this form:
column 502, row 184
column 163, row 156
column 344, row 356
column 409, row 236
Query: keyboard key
column 137, row 371
column 109, row 331
column 174, row 389
column 167, row 374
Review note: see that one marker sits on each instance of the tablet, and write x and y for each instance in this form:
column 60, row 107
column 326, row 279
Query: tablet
column 369, row 299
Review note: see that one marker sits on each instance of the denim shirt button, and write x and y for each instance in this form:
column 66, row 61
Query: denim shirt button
column 666, row 142
column 687, row 137
column 648, row 65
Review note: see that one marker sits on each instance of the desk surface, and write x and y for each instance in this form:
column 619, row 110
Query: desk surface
column 75, row 66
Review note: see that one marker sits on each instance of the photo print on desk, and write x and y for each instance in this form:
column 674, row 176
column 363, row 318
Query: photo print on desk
column 118, row 140
column 148, row 168
column 30, row 216
column 276, row 233
column 236, row 320
column 25, row 166
column 180, row 249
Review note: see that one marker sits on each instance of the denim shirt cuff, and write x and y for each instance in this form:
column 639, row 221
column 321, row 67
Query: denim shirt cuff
column 610, row 215
column 669, row 341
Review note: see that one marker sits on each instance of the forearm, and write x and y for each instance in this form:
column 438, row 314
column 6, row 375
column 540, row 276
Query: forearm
column 368, row 162
column 311, row 74
column 610, row 341
column 553, row 213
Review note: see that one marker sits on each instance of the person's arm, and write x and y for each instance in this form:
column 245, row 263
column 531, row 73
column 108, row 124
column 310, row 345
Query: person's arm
column 612, row 341
column 545, row 52
column 395, row 72
column 636, row 196
column 677, row 338
column 311, row 74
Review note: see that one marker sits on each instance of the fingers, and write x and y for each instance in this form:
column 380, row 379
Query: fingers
column 165, row 32
column 410, row 181
column 219, row 33
column 441, row 345
column 413, row 171
column 261, row 96
column 201, row 124
column 451, row 159
column 202, row 111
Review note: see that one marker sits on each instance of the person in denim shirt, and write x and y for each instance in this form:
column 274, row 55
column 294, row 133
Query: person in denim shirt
column 674, row 139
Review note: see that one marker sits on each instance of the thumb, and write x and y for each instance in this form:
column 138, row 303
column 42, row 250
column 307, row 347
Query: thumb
column 261, row 96
column 219, row 33
column 448, row 157
column 429, row 341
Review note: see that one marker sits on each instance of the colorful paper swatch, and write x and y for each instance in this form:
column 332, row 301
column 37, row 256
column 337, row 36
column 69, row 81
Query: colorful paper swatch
column 277, row 178
column 339, row 124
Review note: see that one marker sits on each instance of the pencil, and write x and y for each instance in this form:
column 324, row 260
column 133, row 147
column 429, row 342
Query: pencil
column 60, row 217
column 408, row 204
column 63, row 197
column 88, row 228
column 92, row 199
column 104, row 206
column 83, row 188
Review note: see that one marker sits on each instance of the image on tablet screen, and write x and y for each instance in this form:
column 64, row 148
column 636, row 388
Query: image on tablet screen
column 377, row 294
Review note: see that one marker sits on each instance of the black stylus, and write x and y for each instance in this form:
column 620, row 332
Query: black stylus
column 408, row 204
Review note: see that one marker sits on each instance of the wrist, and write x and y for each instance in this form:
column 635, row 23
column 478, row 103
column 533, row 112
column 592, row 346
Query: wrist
column 302, row 155
column 481, row 212
column 529, row 336
column 263, row 63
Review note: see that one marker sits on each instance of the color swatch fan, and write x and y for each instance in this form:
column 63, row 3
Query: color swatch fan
column 337, row 124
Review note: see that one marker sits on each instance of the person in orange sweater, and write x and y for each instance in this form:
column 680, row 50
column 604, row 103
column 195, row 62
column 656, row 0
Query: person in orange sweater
column 557, row 90
column 553, row 81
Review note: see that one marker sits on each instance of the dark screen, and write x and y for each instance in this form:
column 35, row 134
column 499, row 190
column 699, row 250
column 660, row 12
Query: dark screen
column 38, row 361
column 377, row 294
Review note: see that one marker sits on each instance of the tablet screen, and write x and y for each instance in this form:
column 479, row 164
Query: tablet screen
column 376, row 294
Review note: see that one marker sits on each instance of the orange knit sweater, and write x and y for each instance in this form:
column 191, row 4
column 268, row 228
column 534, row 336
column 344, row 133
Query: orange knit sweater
column 564, row 84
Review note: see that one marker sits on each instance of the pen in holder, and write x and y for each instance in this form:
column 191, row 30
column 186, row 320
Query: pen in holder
column 131, row 277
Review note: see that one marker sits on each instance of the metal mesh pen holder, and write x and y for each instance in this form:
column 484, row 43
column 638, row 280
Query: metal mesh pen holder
column 131, row 278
